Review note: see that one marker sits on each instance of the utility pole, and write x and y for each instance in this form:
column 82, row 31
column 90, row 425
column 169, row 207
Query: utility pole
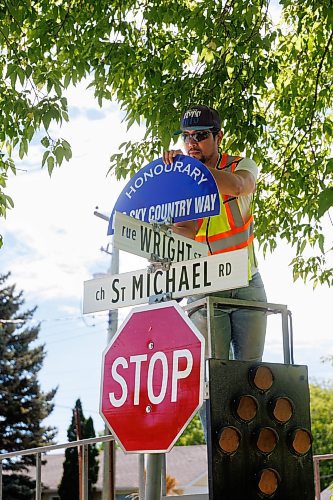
column 109, row 464
column 109, row 472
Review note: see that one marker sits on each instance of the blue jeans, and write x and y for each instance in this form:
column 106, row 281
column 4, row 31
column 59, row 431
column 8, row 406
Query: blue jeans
column 239, row 332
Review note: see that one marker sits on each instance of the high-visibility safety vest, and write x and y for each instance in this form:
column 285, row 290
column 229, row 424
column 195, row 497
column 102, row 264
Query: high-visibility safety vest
column 229, row 230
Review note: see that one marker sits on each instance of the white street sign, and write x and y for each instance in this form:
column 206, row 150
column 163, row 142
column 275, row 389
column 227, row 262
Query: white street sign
column 140, row 238
column 223, row 271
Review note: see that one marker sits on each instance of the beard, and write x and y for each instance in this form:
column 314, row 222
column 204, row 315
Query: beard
column 198, row 155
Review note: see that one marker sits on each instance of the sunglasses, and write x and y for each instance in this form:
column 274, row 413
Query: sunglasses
column 199, row 136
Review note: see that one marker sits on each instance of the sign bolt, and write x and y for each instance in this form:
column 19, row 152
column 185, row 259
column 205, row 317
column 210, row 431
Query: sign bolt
column 148, row 409
column 151, row 345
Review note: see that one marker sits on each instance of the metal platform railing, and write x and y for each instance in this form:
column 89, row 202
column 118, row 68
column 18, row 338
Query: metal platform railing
column 316, row 462
column 83, row 443
column 210, row 302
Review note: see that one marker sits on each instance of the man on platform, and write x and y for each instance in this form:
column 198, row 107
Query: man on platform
column 241, row 331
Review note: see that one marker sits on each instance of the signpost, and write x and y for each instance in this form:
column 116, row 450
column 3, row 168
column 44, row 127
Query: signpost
column 152, row 373
column 223, row 271
column 153, row 241
column 152, row 378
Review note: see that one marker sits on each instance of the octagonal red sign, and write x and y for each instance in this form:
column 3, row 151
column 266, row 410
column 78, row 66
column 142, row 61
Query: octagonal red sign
column 152, row 378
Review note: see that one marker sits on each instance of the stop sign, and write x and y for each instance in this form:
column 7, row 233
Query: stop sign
column 152, row 378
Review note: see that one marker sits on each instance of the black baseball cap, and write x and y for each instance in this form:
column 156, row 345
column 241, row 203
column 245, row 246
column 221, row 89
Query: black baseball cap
column 200, row 117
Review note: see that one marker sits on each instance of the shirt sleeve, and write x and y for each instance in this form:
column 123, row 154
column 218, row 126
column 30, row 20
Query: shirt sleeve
column 249, row 165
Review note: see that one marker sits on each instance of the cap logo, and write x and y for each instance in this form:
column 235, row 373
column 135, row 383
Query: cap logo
column 192, row 113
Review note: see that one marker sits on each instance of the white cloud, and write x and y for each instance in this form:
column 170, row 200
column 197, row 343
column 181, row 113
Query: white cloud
column 52, row 224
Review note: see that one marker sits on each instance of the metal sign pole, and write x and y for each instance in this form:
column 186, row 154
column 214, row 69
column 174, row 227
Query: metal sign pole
column 142, row 476
column 156, row 462
column 154, row 476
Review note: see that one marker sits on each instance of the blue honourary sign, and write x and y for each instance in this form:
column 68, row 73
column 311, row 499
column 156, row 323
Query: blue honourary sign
column 184, row 190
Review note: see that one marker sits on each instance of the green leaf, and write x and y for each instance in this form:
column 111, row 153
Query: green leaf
column 21, row 75
column 67, row 80
column 67, row 154
column 10, row 201
column 321, row 241
column 67, row 150
column 45, row 156
column 57, row 88
column 49, row 86
column 11, row 68
column 59, row 154
column 50, row 164
column 23, row 149
column 66, row 145
column 45, row 141
column 329, row 166
column 302, row 246
column 325, row 201
column 47, row 117
column 13, row 78
column 30, row 132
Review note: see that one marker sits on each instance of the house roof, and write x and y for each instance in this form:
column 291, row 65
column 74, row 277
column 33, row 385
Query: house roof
column 187, row 464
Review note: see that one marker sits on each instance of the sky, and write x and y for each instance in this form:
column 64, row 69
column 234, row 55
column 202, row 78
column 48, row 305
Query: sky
column 52, row 243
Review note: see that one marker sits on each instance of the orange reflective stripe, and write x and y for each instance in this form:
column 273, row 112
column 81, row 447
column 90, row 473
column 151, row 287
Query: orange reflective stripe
column 228, row 234
column 199, row 222
column 235, row 240
column 234, row 214
column 236, row 247
column 231, row 219
column 235, row 163
column 224, row 160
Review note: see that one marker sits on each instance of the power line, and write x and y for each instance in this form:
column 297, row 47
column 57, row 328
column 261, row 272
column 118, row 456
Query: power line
column 69, row 338
column 53, row 404
column 49, row 320
column 70, row 408
column 70, row 318
column 45, row 334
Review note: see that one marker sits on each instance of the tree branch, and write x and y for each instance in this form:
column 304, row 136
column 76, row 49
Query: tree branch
column 320, row 67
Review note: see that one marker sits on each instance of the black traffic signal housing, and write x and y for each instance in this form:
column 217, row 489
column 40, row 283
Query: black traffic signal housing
column 258, row 433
